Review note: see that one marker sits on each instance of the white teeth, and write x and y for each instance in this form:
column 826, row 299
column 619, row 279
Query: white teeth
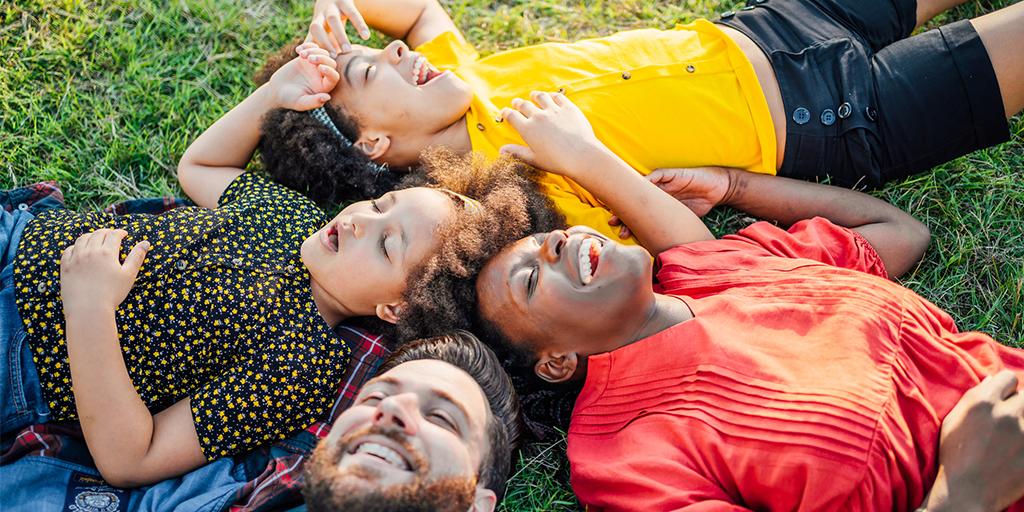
column 584, row 258
column 417, row 67
column 390, row 456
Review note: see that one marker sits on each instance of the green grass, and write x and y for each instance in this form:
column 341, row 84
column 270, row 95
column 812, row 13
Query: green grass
column 105, row 96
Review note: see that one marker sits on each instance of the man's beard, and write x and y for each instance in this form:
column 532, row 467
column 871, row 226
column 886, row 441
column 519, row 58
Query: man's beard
column 328, row 488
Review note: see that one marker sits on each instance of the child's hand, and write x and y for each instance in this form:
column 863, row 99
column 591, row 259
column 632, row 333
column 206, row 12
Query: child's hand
column 558, row 135
column 92, row 275
column 305, row 82
column 981, row 448
column 699, row 188
column 328, row 27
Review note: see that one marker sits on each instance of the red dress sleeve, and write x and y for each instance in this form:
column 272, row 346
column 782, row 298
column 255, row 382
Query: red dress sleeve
column 815, row 239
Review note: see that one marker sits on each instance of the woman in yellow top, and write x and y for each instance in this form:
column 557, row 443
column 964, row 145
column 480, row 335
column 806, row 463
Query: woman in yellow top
column 799, row 88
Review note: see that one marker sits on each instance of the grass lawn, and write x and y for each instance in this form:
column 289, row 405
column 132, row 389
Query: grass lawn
column 104, row 97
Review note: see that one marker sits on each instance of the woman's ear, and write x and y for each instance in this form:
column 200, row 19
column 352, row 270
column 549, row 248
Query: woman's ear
column 556, row 367
column 390, row 313
column 373, row 145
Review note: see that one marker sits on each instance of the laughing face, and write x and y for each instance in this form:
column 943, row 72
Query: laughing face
column 569, row 291
column 413, row 440
column 360, row 261
column 398, row 100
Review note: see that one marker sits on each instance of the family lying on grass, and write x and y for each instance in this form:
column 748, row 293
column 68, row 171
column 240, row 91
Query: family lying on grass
column 772, row 369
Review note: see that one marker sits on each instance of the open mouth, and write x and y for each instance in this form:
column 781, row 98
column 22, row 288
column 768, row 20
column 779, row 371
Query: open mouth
column 386, row 454
column 589, row 255
column 329, row 237
column 423, row 72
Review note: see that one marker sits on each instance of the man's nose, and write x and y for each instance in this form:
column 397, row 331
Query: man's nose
column 397, row 411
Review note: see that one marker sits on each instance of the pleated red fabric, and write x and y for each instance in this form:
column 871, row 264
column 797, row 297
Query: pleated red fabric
column 806, row 381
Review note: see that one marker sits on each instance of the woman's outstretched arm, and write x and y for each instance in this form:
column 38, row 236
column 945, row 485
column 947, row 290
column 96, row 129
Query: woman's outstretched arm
column 221, row 153
column 899, row 239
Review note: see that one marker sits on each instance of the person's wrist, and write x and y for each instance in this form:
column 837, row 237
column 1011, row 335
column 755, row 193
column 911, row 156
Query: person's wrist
column 88, row 310
column 943, row 498
column 734, row 186
column 268, row 97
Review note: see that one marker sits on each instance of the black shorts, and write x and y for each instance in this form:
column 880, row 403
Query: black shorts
column 866, row 104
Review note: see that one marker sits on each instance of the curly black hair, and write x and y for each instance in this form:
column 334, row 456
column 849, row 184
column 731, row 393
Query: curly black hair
column 303, row 154
column 441, row 294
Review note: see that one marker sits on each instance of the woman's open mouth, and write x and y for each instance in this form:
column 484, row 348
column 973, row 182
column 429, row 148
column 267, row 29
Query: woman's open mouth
column 589, row 255
column 423, row 72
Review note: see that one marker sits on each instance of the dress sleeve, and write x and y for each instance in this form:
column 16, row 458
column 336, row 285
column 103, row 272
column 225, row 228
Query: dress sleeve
column 448, row 51
column 255, row 404
column 815, row 239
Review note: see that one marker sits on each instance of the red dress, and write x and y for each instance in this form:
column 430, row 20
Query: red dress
column 805, row 381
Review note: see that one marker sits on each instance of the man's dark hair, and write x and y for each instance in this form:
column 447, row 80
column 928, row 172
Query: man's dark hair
column 504, row 425
column 301, row 153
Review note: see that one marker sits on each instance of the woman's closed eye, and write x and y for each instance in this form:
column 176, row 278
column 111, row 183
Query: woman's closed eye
column 366, row 75
column 531, row 280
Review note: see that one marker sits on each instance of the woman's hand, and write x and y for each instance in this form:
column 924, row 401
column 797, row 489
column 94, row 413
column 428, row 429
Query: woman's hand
column 305, row 82
column 699, row 188
column 92, row 275
column 558, row 136
column 328, row 26
column 981, row 449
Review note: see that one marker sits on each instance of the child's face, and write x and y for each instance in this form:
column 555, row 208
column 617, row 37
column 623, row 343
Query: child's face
column 395, row 92
column 567, row 291
column 362, row 258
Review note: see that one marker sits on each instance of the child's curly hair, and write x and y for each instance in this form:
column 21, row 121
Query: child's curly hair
column 301, row 153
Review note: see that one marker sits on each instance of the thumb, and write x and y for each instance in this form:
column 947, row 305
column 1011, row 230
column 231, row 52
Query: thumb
column 657, row 176
column 133, row 262
column 311, row 101
column 523, row 153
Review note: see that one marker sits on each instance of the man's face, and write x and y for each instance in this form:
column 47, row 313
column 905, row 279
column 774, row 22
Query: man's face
column 395, row 92
column 415, row 437
column 363, row 257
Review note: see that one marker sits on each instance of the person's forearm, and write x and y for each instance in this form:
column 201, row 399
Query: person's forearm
column 224, row 149
column 899, row 239
column 115, row 422
column 657, row 219
column 399, row 19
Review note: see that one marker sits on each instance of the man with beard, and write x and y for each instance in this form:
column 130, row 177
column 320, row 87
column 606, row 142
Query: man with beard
column 435, row 430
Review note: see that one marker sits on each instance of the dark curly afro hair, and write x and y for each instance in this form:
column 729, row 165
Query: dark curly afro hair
column 301, row 153
column 441, row 295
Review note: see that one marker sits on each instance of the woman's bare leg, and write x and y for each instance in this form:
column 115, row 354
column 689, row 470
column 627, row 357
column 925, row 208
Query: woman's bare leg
column 1002, row 33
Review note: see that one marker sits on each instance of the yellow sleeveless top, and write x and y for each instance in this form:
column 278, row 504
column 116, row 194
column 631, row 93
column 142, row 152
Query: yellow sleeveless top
column 686, row 97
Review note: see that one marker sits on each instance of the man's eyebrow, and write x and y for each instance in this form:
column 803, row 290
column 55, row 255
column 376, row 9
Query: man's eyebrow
column 443, row 395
